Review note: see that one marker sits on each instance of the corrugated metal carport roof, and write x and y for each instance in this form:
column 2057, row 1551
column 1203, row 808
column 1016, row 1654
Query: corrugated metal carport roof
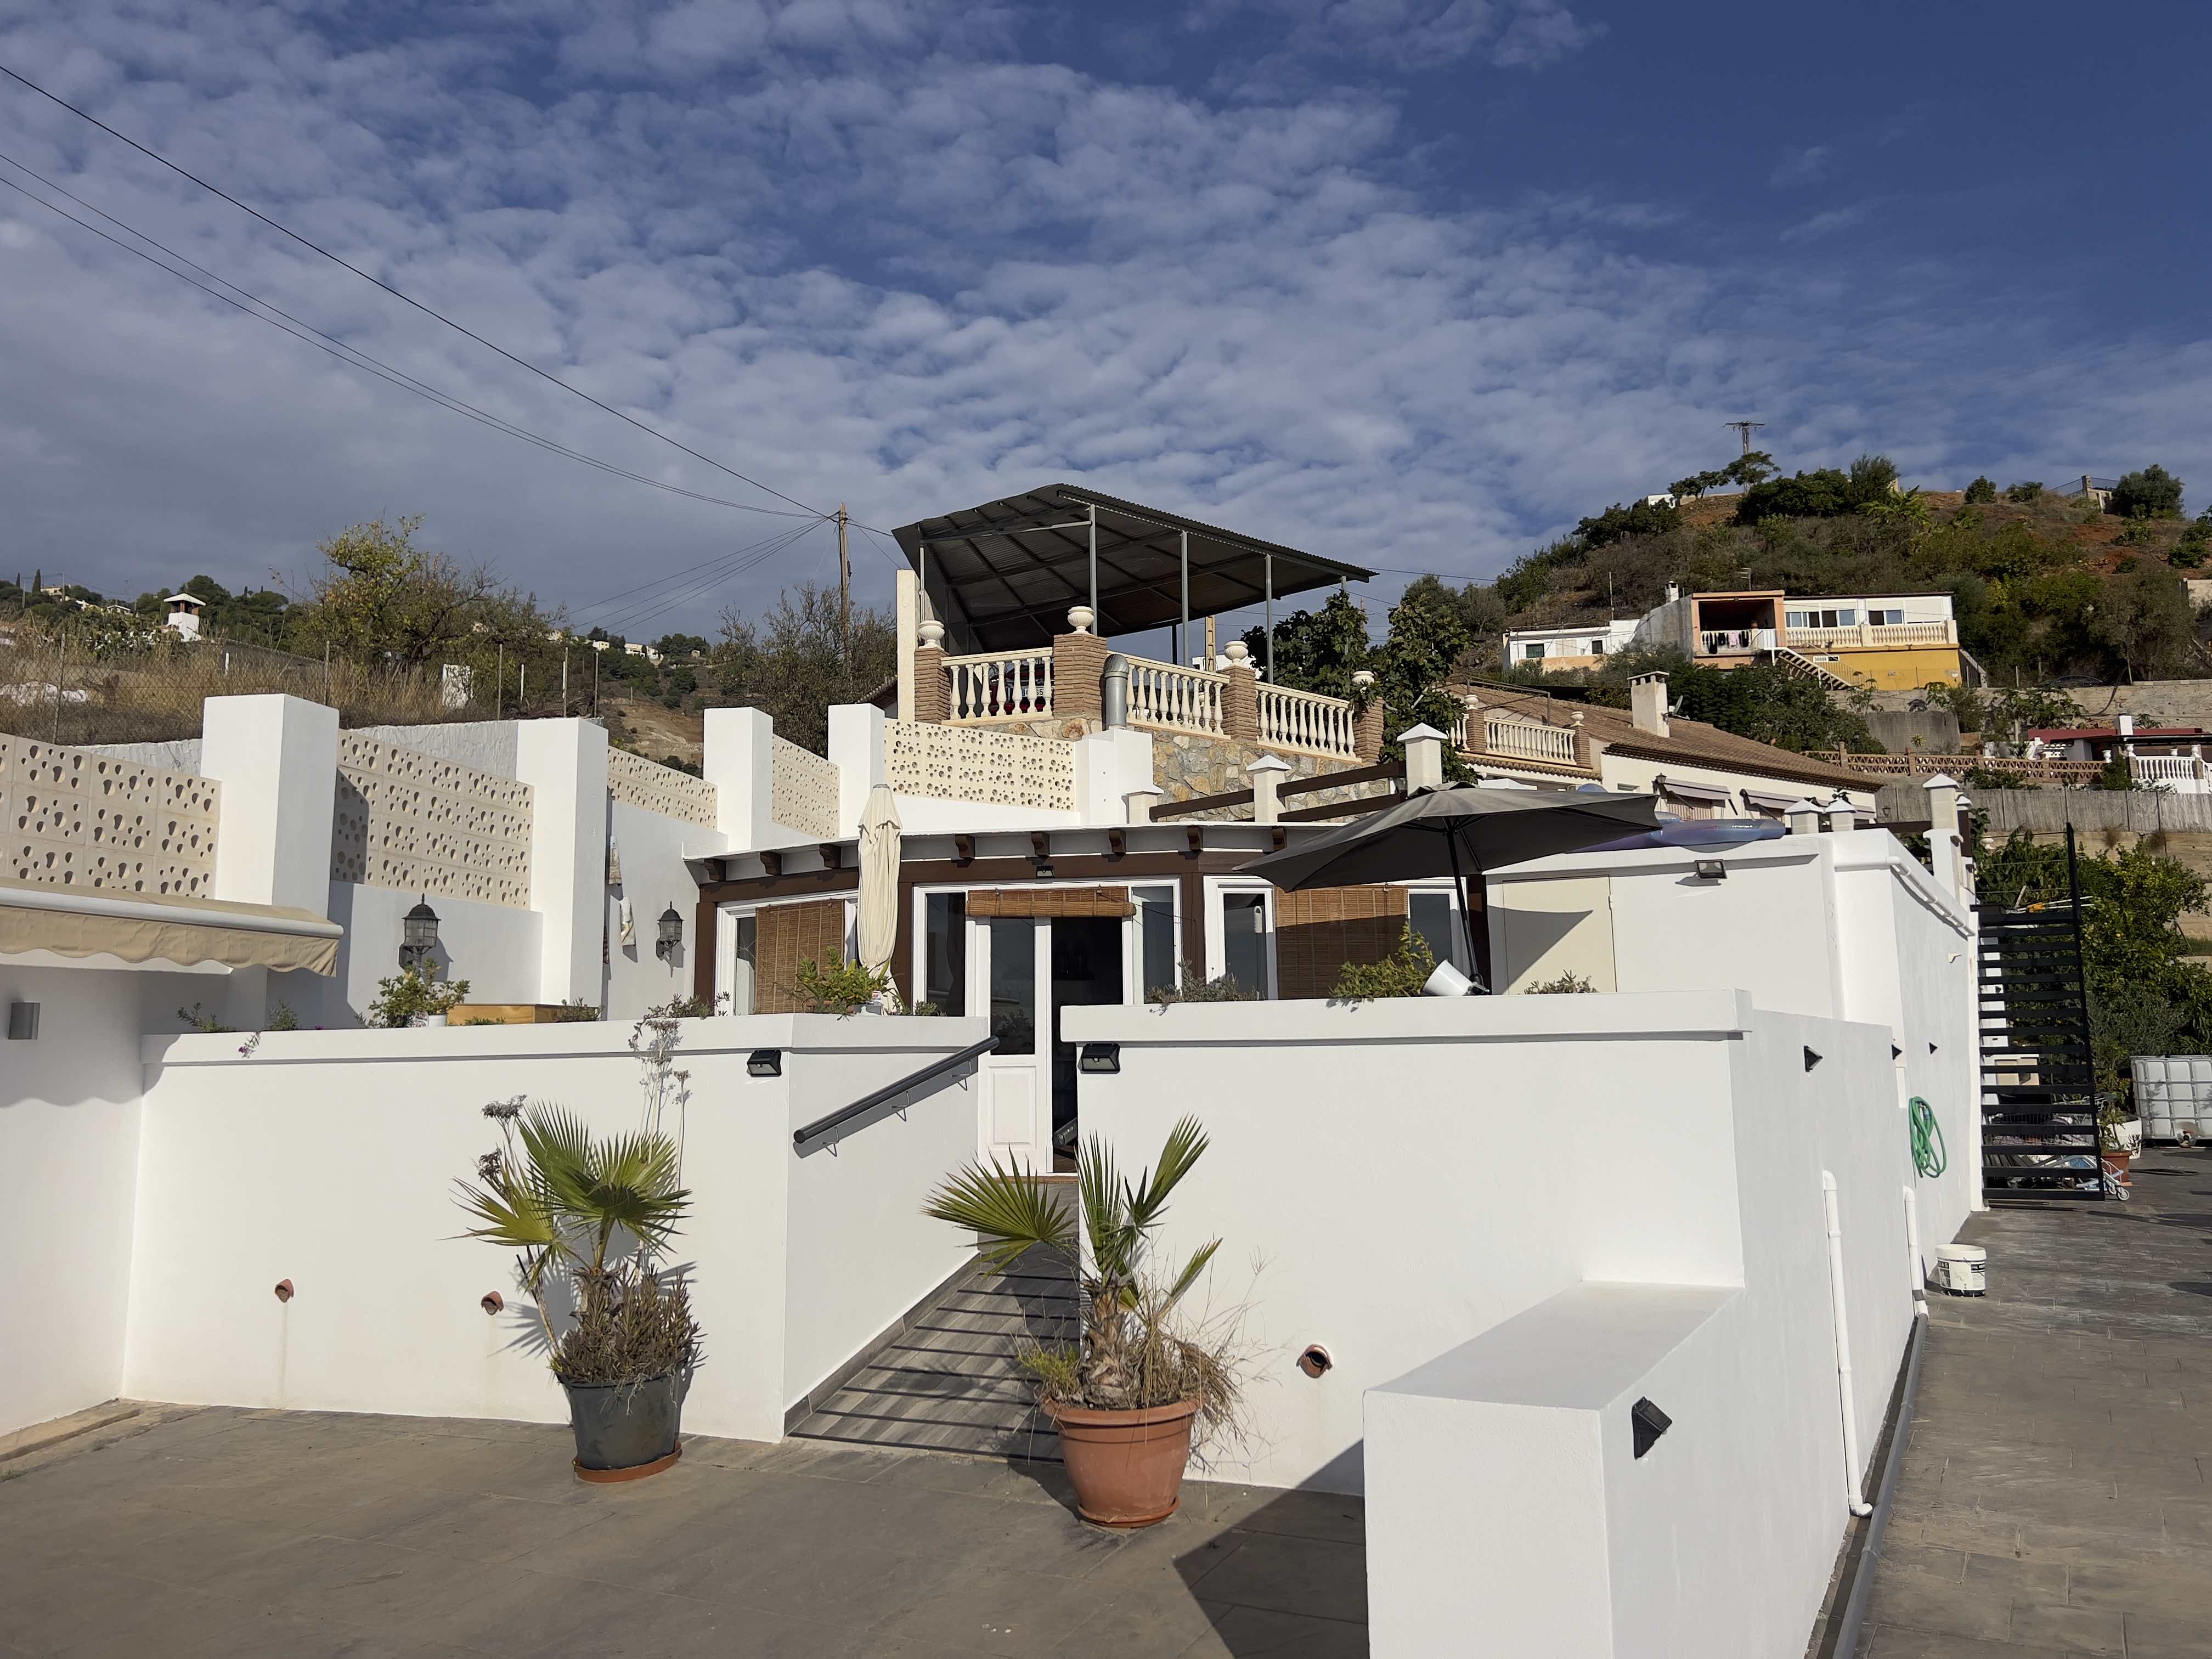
column 1001, row 576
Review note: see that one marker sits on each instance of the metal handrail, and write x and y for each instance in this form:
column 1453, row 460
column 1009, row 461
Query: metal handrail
column 804, row 1138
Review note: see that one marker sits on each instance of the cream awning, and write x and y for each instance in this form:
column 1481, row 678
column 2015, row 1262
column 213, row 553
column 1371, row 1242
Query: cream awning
column 85, row 922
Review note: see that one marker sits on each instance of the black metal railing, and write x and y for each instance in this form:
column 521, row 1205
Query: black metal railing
column 847, row 1119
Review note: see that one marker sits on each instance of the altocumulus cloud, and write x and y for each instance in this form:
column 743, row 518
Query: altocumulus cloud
column 868, row 252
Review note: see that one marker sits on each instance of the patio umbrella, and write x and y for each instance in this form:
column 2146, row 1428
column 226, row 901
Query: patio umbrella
column 1458, row 831
column 877, row 932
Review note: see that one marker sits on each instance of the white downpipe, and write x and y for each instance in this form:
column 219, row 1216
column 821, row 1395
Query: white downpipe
column 1916, row 1265
column 1849, row 1399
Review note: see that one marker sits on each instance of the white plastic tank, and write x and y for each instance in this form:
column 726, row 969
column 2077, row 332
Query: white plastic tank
column 2173, row 1095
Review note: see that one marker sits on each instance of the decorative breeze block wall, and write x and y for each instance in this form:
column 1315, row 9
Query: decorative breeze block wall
column 77, row 819
column 973, row 762
column 803, row 791
column 425, row 825
column 636, row 782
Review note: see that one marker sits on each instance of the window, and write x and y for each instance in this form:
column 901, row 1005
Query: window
column 1156, row 939
column 745, row 931
column 1533, row 653
column 1886, row 618
column 1597, row 648
column 1848, row 617
column 1244, row 940
column 1013, row 984
column 945, row 953
column 1430, row 915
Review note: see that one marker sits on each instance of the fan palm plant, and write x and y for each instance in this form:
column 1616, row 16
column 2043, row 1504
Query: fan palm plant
column 1130, row 1354
column 567, row 1203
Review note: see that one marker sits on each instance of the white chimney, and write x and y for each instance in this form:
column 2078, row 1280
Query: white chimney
column 1647, row 703
column 2127, row 726
column 1674, row 592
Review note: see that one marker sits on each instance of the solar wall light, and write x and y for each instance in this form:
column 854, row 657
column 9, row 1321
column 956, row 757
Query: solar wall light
column 22, row 1022
column 1712, row 870
column 764, row 1062
column 1647, row 1423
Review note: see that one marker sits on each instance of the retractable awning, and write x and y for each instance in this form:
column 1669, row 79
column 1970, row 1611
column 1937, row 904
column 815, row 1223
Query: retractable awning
column 85, row 922
column 1002, row 576
column 1704, row 792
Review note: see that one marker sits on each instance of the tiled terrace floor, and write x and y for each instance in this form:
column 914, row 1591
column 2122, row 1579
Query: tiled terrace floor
column 2053, row 1499
column 216, row 1532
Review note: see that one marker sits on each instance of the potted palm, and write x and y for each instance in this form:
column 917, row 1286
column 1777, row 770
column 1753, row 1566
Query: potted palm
column 1127, row 1395
column 594, row 1216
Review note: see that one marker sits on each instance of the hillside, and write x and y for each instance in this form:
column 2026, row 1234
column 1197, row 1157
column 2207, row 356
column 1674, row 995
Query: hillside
column 2046, row 589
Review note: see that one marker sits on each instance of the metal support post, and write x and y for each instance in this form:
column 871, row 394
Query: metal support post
column 1097, row 621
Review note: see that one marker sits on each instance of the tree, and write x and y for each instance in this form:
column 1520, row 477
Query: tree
column 380, row 596
column 1642, row 519
column 2145, row 620
column 1981, row 489
column 1752, row 467
column 791, row 664
column 1698, row 483
column 1761, row 701
column 2029, row 491
column 2151, row 492
column 1318, row 650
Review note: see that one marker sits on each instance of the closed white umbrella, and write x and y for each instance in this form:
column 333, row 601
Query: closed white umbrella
column 879, row 879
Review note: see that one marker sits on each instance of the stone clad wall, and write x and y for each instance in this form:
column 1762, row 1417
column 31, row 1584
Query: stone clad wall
column 1186, row 765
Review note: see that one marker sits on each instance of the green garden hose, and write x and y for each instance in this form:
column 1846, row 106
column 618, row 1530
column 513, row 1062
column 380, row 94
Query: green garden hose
column 1928, row 1154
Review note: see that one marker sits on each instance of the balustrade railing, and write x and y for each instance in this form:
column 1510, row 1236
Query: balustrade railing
column 1180, row 699
column 1000, row 686
column 2184, row 772
column 1305, row 720
column 1871, row 633
column 1528, row 740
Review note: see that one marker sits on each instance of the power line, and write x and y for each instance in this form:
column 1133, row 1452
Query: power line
column 427, row 311
column 637, row 615
column 353, row 356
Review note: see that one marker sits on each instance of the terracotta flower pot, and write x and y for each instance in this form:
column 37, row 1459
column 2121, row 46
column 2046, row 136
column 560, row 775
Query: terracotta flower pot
column 1127, row 1467
column 2119, row 1163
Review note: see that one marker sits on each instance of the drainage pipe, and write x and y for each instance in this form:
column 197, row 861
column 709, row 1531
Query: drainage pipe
column 1843, row 1632
column 1916, row 1267
column 1848, row 1398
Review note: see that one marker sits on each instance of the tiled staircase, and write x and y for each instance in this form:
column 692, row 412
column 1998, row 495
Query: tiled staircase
column 947, row 1379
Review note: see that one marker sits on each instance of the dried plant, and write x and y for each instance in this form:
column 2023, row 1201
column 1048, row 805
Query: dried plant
column 1137, row 1347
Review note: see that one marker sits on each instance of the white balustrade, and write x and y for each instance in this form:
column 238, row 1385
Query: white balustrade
column 2182, row 774
column 1305, row 720
column 1180, row 699
column 1000, row 686
column 1528, row 740
column 1871, row 634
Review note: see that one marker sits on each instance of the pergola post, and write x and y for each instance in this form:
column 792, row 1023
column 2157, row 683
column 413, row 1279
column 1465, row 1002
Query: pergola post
column 1096, row 621
column 1182, row 634
column 1271, row 619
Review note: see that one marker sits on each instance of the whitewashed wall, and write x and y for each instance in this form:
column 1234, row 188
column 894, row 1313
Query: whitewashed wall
column 69, row 1164
column 492, row 947
column 653, row 876
column 327, row 1158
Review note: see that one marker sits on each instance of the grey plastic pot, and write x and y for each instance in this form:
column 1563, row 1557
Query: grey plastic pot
column 626, row 1430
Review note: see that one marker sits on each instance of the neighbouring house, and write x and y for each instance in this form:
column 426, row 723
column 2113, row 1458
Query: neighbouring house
column 184, row 613
column 1555, row 650
column 2090, row 488
column 1698, row 771
column 2169, row 757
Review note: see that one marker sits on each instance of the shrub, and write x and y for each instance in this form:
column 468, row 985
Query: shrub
column 840, row 990
column 575, row 1011
column 1196, row 988
column 1568, row 984
column 1401, row 974
column 2136, row 532
column 411, row 995
column 2030, row 491
column 1983, row 488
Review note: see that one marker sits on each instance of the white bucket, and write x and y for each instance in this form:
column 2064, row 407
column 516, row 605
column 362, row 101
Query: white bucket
column 1962, row 1269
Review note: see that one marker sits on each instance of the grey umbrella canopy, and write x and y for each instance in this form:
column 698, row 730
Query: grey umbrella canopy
column 1454, row 832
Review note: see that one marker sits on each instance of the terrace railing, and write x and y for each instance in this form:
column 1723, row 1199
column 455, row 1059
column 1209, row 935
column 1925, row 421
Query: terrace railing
column 1525, row 740
column 2184, row 774
column 1179, row 699
column 996, row 686
column 1869, row 634
column 1305, row 720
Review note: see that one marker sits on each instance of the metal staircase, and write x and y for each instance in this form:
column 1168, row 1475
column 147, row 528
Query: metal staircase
column 947, row 1379
column 2039, row 1085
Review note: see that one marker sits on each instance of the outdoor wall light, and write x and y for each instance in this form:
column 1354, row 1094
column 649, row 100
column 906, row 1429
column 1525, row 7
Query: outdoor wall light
column 418, row 935
column 764, row 1062
column 672, row 934
column 284, row 1290
column 1712, row 870
column 1647, row 1423
column 22, row 1022
column 1812, row 1060
column 492, row 1302
column 1314, row 1360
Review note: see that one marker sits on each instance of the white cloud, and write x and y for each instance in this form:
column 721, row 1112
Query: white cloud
column 1801, row 167
column 904, row 269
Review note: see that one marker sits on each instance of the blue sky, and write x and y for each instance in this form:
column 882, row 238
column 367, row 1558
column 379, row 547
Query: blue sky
column 1409, row 282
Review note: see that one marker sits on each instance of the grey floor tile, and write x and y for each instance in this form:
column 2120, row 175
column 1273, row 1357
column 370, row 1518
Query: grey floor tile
column 1281, row 1574
column 2074, row 1630
column 93, row 1610
column 984, row 1608
column 2152, row 1636
column 1248, row 1632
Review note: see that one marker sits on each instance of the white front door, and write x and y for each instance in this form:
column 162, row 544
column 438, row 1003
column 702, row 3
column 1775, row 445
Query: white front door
column 1012, row 986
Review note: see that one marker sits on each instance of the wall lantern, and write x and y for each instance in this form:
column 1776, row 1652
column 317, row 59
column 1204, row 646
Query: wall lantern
column 672, row 934
column 418, row 936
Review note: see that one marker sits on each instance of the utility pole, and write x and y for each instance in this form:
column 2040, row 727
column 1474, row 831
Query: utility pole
column 844, row 594
column 1746, row 427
